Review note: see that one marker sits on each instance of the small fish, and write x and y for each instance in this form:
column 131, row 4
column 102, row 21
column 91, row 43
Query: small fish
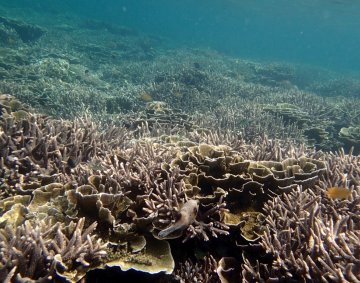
column 146, row 97
column 338, row 193
column 187, row 216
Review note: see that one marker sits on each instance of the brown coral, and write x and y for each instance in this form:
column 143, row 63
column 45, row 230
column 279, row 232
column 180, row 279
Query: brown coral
column 147, row 189
column 308, row 242
column 41, row 252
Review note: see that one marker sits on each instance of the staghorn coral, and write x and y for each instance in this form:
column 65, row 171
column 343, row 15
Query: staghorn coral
column 133, row 173
column 309, row 236
column 37, row 150
column 336, row 86
column 307, row 241
column 37, row 251
column 98, row 190
column 204, row 271
column 133, row 191
column 144, row 184
column 236, row 91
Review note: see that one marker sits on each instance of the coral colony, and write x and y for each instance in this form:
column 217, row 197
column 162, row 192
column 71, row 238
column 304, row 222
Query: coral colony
column 102, row 174
column 76, row 197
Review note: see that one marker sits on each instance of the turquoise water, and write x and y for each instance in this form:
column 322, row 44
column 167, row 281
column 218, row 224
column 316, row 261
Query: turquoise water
column 324, row 33
column 204, row 138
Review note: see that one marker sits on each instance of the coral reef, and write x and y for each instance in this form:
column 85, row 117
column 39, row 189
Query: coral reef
column 203, row 271
column 181, row 165
column 39, row 251
column 128, row 195
column 350, row 136
column 26, row 32
column 130, row 65
column 310, row 236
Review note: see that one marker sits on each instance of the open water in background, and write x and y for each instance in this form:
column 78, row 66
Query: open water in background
column 323, row 33
column 319, row 34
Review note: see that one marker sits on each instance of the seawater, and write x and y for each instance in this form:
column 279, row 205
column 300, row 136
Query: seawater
column 324, row 33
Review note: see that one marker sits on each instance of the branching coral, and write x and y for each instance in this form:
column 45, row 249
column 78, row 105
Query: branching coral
column 37, row 150
column 40, row 252
column 308, row 243
column 234, row 145
column 203, row 271
column 150, row 187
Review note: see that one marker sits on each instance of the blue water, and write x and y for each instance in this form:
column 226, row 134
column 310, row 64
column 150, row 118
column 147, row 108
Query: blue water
column 324, row 33
column 123, row 66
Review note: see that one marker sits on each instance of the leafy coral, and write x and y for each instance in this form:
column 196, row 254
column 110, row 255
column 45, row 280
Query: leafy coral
column 228, row 138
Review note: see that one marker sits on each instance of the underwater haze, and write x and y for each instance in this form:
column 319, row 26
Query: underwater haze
column 325, row 33
column 321, row 32
column 208, row 141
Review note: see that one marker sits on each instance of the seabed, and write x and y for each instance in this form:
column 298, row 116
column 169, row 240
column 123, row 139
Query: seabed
column 123, row 158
